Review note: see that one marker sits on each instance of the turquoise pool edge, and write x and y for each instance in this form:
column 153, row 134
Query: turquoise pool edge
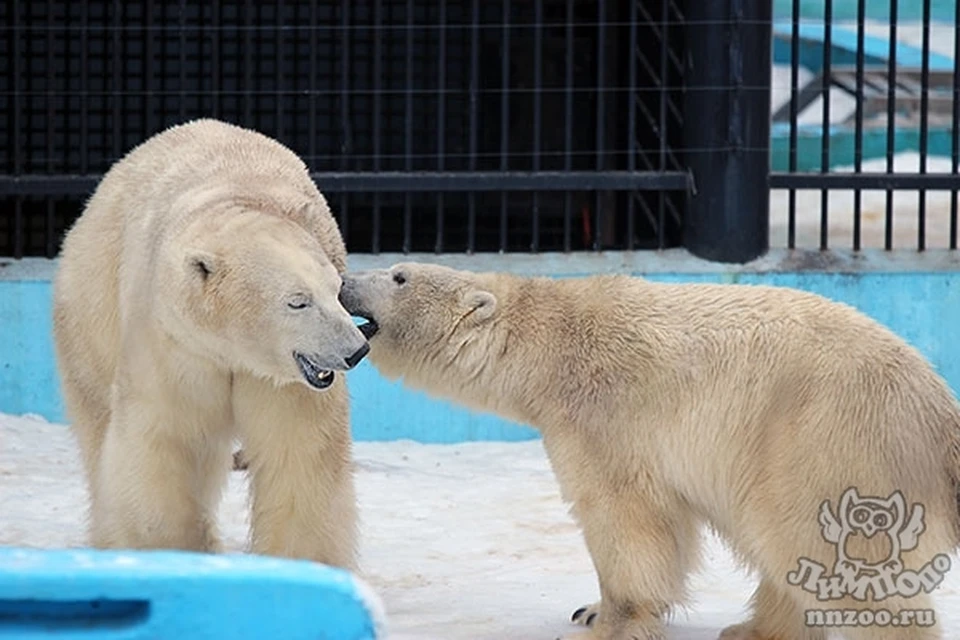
column 916, row 294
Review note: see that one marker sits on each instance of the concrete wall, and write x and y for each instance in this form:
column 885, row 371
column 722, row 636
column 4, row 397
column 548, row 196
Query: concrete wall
column 916, row 295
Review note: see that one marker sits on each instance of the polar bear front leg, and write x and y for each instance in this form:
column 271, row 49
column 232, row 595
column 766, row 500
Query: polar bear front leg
column 162, row 470
column 296, row 443
column 643, row 544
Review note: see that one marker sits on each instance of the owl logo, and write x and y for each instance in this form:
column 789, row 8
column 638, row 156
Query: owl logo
column 859, row 519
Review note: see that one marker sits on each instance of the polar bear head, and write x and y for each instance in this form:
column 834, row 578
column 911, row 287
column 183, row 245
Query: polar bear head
column 257, row 293
column 423, row 317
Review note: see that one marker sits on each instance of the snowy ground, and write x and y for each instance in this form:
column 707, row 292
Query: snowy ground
column 873, row 207
column 460, row 541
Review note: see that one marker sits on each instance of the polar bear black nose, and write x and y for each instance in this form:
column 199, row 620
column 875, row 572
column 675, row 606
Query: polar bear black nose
column 358, row 355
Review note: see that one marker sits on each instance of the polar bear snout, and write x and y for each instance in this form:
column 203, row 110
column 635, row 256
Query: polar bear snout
column 350, row 295
column 352, row 348
column 352, row 299
column 339, row 345
column 358, row 355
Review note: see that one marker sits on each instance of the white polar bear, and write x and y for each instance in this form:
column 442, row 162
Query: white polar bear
column 666, row 406
column 195, row 302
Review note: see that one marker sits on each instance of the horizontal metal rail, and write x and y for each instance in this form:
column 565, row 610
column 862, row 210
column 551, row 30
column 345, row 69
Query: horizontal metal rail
column 877, row 181
column 408, row 181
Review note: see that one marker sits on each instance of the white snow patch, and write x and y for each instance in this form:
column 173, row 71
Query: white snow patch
column 459, row 542
column 873, row 207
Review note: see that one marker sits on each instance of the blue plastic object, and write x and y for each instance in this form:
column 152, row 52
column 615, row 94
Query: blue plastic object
column 170, row 595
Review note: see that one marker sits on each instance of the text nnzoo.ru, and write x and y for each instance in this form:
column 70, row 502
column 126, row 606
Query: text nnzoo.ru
column 869, row 618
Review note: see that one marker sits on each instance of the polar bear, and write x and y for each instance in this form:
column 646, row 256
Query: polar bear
column 664, row 406
column 195, row 302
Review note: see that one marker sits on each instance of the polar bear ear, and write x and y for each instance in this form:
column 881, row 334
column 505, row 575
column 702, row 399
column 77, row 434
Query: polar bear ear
column 482, row 304
column 202, row 263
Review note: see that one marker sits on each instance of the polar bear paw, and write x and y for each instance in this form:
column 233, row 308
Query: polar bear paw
column 586, row 615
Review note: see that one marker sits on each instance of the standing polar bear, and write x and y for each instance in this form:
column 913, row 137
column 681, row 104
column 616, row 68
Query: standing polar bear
column 662, row 406
column 195, row 302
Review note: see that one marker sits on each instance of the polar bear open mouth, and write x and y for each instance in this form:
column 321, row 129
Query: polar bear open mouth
column 368, row 328
column 315, row 376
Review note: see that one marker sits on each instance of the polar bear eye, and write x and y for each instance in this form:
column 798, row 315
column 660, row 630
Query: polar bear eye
column 399, row 278
column 300, row 302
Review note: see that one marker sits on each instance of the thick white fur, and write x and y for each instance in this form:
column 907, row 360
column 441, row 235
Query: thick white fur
column 664, row 406
column 173, row 336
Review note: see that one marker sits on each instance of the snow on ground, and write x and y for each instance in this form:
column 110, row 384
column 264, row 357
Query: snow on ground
column 461, row 542
column 873, row 207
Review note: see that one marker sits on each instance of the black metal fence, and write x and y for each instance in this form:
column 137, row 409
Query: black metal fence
column 469, row 126
column 460, row 126
column 894, row 99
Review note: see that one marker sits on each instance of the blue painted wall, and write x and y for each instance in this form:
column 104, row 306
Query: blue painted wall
column 918, row 296
column 28, row 379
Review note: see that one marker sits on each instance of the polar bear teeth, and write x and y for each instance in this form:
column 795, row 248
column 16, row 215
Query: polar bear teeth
column 315, row 376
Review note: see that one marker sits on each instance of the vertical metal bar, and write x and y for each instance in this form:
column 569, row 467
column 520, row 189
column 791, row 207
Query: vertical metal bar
column 312, row 101
column 632, row 115
column 408, row 129
column 722, row 52
column 377, row 124
column 200, row 38
column 924, row 125
column 568, row 130
column 279, row 95
column 474, row 89
column 183, row 59
column 116, row 93
column 794, row 88
column 18, row 231
column 891, row 115
column 858, row 126
column 600, row 119
column 84, row 87
column 261, row 100
column 49, row 234
column 664, row 84
column 16, row 128
column 825, row 126
column 215, row 32
column 955, row 150
column 537, row 105
column 161, row 83
column 248, row 64
column 148, row 70
column 343, row 219
column 504, row 117
column 441, row 117
column 345, row 142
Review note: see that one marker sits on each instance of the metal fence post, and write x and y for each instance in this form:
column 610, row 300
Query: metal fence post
column 727, row 128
